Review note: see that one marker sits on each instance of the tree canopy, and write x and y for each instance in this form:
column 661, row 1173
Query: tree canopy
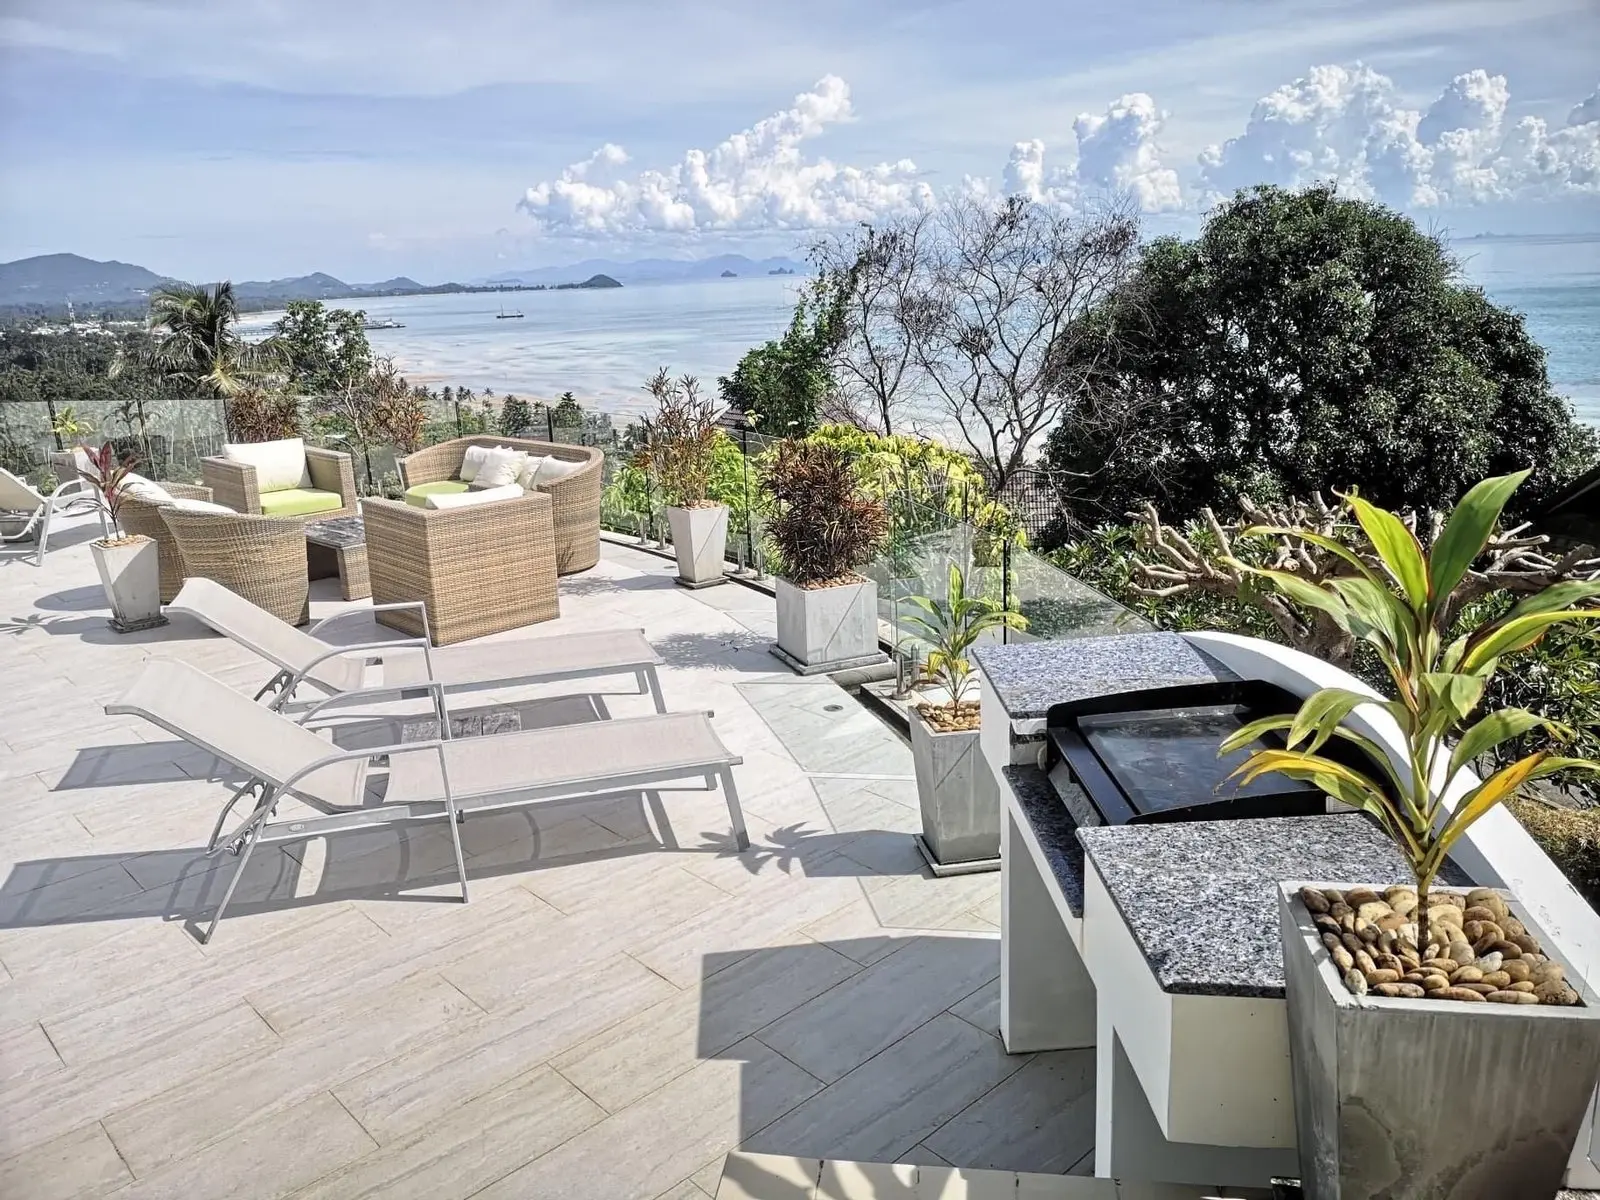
column 785, row 383
column 1305, row 343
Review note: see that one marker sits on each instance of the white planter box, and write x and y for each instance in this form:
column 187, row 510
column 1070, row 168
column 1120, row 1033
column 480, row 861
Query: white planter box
column 1431, row 1098
column 828, row 629
column 960, row 800
column 131, row 576
column 700, row 540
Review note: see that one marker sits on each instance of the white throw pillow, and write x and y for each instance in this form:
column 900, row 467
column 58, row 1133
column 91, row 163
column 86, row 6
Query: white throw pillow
column 553, row 469
column 467, row 499
column 185, row 505
column 500, row 466
column 279, row 465
column 144, row 489
column 530, row 469
column 471, row 461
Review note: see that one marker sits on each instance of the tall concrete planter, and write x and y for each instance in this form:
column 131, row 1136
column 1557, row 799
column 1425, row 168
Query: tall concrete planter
column 700, row 540
column 1430, row 1099
column 828, row 629
column 130, row 572
column 960, row 800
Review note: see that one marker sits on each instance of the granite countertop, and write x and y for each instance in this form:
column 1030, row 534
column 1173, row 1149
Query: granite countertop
column 1162, row 877
column 1030, row 677
column 1054, row 827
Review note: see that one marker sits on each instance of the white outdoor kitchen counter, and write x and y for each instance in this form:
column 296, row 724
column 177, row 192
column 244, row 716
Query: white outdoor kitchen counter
column 1111, row 937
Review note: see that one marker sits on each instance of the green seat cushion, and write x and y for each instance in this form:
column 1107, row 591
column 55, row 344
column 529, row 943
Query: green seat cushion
column 299, row 502
column 418, row 493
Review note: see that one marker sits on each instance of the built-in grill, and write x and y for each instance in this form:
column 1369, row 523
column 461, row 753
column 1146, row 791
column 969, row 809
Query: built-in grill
column 1151, row 755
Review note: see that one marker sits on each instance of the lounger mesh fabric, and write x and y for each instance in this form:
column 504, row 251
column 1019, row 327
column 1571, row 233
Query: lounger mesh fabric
column 458, row 668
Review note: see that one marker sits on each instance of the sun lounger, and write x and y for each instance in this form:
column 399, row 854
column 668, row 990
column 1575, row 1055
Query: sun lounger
column 411, row 663
column 20, row 498
column 434, row 780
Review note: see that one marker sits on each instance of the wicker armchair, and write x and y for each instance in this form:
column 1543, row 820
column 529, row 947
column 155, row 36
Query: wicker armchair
column 262, row 559
column 478, row 570
column 139, row 516
column 234, row 483
column 576, row 498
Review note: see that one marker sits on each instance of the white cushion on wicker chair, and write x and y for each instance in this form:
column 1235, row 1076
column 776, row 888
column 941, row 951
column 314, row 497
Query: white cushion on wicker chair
column 500, row 466
column 530, row 469
column 554, row 468
column 279, row 465
column 140, row 488
column 185, row 505
column 467, row 499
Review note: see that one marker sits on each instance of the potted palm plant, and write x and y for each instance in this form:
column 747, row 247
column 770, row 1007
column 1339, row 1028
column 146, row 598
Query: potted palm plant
column 959, row 797
column 1407, row 1082
column 680, row 446
column 823, row 528
column 129, row 566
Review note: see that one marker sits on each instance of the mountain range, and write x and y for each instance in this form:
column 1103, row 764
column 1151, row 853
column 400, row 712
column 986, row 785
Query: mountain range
column 50, row 281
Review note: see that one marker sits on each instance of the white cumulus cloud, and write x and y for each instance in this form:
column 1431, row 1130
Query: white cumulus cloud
column 1117, row 153
column 1349, row 125
column 758, row 179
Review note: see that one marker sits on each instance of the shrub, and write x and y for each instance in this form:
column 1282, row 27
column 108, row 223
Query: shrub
column 263, row 415
column 825, row 523
column 680, row 440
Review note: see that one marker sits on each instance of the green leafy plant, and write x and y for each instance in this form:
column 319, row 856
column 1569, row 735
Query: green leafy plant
column 1398, row 608
column 825, row 525
column 680, row 439
column 69, row 426
column 951, row 627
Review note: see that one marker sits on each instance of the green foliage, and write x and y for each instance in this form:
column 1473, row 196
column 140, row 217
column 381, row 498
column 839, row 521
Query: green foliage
column 516, row 417
column 825, row 525
column 633, row 492
column 325, row 349
column 952, row 626
column 568, row 413
column 782, row 385
column 196, row 341
column 1305, row 343
column 1399, row 610
column 680, row 439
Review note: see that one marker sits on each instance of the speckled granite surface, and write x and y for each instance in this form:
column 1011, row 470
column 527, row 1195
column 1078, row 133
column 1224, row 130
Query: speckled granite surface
column 1030, row 677
column 1054, row 827
column 1201, row 896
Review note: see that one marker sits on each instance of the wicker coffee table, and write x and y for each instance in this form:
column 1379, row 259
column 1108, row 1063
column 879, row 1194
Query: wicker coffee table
column 338, row 546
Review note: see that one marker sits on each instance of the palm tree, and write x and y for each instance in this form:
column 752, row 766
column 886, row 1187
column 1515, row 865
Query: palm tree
column 196, row 340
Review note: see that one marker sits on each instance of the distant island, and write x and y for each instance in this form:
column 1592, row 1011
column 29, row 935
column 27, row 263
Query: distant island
column 781, row 271
column 46, row 285
column 730, row 275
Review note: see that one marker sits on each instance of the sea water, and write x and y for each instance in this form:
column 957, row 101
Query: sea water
column 603, row 345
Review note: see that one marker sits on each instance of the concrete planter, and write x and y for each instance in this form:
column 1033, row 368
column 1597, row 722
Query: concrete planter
column 828, row 629
column 960, row 800
column 1432, row 1100
column 131, row 576
column 700, row 540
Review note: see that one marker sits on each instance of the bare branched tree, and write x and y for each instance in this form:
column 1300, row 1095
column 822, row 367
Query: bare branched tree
column 1002, row 325
column 1208, row 560
column 877, row 270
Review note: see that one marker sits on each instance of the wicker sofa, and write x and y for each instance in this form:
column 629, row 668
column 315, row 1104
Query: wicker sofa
column 262, row 559
column 480, row 569
column 234, row 483
column 575, row 499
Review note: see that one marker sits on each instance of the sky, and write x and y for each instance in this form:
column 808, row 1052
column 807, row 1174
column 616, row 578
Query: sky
column 267, row 138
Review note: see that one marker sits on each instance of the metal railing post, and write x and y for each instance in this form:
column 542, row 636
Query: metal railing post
column 1005, row 589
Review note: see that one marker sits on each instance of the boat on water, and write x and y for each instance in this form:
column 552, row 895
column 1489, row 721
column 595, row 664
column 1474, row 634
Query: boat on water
column 508, row 316
column 383, row 323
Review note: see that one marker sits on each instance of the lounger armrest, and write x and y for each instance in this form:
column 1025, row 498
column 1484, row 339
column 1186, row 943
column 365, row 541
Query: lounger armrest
column 353, row 755
column 371, row 693
column 232, row 483
column 421, row 608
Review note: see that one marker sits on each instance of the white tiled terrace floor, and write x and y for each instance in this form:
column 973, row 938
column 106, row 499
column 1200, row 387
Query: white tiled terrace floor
column 606, row 1018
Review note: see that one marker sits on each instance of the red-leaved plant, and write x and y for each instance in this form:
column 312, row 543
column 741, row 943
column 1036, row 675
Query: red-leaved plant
column 108, row 475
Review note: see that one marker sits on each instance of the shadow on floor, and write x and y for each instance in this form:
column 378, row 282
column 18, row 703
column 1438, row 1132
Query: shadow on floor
column 734, row 650
column 897, row 1061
